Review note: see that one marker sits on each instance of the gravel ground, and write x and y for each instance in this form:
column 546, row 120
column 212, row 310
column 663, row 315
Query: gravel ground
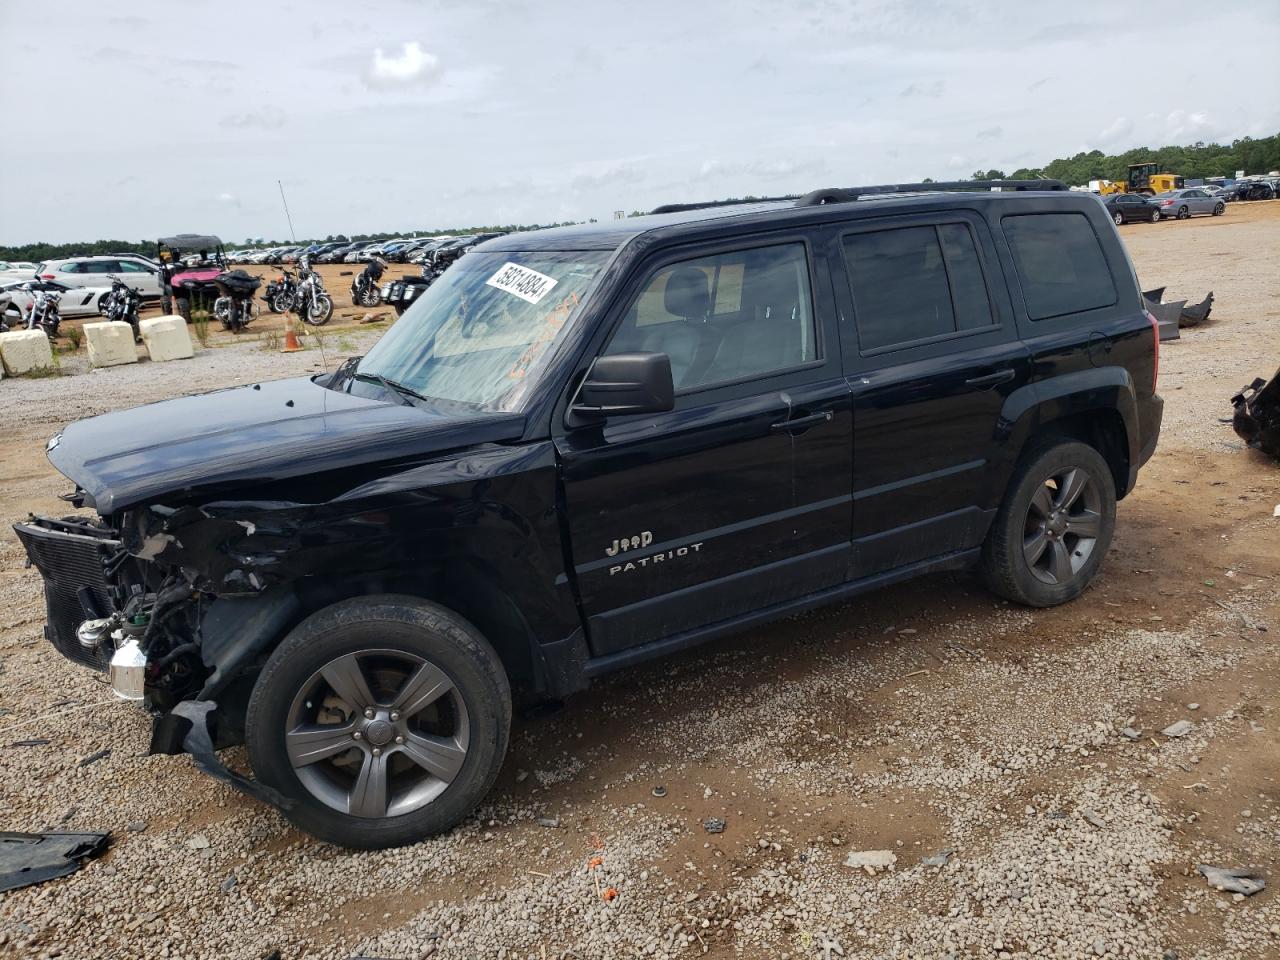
column 988, row 750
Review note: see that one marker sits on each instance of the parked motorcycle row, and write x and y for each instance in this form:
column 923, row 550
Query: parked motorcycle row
column 302, row 293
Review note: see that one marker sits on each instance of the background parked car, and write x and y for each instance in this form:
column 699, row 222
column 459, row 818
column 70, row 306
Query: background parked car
column 16, row 269
column 96, row 271
column 1188, row 202
column 353, row 255
column 76, row 301
column 1130, row 207
column 1253, row 190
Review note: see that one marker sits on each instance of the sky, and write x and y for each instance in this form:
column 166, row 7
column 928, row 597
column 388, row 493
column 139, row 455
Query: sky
column 140, row 119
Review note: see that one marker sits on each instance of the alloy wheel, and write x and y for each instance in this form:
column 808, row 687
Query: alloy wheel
column 1062, row 525
column 378, row 733
column 1118, row 218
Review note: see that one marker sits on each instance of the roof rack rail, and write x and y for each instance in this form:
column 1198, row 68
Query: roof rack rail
column 682, row 207
column 847, row 194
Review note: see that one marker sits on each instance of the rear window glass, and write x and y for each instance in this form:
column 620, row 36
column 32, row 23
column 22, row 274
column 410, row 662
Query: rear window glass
column 915, row 283
column 1060, row 264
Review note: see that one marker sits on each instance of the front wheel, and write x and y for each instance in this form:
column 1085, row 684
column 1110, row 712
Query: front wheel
column 1054, row 526
column 370, row 296
column 281, row 302
column 319, row 310
column 1183, row 213
column 1219, row 209
column 183, row 308
column 385, row 718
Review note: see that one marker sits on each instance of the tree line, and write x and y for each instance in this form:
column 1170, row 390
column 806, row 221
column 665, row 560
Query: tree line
column 1197, row 161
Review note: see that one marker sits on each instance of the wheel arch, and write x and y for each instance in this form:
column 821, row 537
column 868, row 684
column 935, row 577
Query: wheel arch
column 1097, row 406
column 239, row 633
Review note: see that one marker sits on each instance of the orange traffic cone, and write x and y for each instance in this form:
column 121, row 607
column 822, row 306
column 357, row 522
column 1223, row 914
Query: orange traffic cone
column 291, row 344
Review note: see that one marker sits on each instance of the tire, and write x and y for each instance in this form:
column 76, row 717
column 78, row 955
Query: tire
column 1219, row 209
column 281, row 302
column 1118, row 218
column 183, row 308
column 166, row 306
column 319, row 311
column 1059, row 573
column 104, row 304
column 1184, row 213
column 371, row 297
column 377, row 632
column 1155, row 216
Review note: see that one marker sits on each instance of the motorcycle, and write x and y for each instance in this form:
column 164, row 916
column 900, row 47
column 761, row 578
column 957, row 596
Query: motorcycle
column 42, row 311
column 364, row 288
column 281, row 291
column 121, row 304
column 311, row 302
column 235, row 306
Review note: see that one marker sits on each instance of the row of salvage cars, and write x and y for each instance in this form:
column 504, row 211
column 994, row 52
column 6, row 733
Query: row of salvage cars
column 400, row 294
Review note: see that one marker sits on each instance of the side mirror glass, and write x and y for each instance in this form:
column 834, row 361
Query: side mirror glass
column 626, row 383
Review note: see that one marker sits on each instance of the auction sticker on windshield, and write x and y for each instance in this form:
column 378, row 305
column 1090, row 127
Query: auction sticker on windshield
column 529, row 285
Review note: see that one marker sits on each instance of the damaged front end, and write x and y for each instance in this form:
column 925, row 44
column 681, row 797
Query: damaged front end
column 126, row 595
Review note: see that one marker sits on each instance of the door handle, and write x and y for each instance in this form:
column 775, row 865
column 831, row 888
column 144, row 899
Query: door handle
column 800, row 424
column 990, row 380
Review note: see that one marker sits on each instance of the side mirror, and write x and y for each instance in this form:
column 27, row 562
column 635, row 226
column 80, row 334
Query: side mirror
column 626, row 383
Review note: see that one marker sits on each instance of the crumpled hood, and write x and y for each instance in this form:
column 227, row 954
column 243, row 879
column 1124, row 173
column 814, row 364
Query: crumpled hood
column 253, row 435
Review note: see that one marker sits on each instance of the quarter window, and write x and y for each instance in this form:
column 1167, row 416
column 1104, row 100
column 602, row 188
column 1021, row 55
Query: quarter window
column 915, row 283
column 1060, row 264
column 726, row 317
column 132, row 266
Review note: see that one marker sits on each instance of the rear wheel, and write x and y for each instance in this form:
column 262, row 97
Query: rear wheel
column 1155, row 216
column 1118, row 217
column 386, row 718
column 1054, row 527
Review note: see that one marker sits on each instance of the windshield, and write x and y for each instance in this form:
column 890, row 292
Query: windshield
column 480, row 333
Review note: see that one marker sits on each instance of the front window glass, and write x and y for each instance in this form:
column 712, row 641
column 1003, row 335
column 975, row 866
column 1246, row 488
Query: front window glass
column 725, row 317
column 481, row 332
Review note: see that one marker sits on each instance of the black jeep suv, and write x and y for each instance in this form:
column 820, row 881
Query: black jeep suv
column 588, row 446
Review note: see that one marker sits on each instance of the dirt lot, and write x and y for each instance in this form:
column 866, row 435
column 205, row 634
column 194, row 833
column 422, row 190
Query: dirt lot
column 979, row 742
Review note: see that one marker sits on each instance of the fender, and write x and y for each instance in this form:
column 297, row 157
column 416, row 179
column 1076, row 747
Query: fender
column 1031, row 407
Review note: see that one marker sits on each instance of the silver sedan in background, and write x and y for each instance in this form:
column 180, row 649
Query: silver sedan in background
column 1181, row 204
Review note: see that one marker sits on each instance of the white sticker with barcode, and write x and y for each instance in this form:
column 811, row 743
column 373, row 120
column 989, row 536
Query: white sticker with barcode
column 524, row 283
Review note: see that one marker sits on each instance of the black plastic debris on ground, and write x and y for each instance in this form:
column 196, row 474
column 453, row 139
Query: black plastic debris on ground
column 29, row 858
column 1257, row 415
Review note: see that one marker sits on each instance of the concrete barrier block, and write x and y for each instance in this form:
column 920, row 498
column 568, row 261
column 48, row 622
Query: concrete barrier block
column 166, row 338
column 110, row 343
column 25, row 350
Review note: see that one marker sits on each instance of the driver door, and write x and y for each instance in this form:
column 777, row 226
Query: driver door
column 739, row 498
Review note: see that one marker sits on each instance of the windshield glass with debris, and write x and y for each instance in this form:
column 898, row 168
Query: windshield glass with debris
column 480, row 333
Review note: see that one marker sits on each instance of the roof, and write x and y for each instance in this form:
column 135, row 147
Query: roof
column 819, row 205
column 191, row 241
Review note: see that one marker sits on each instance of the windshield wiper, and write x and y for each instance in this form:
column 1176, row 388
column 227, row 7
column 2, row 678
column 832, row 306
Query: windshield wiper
column 402, row 392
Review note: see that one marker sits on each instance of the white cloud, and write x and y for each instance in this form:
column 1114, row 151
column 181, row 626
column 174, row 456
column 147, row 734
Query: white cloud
column 1117, row 129
column 413, row 67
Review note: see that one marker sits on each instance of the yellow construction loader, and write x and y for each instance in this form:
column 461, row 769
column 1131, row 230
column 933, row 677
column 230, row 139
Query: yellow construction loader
column 1143, row 178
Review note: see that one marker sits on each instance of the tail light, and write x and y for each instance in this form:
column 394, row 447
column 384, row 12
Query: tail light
column 48, row 276
column 1166, row 203
column 1155, row 342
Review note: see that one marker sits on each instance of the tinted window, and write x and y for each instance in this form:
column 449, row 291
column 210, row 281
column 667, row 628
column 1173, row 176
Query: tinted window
column 70, row 268
column 1060, row 264
column 726, row 317
column 915, row 283
column 133, row 266
column 99, row 266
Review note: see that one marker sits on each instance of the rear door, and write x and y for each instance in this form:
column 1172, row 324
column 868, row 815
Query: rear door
column 140, row 277
column 932, row 351
column 738, row 498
